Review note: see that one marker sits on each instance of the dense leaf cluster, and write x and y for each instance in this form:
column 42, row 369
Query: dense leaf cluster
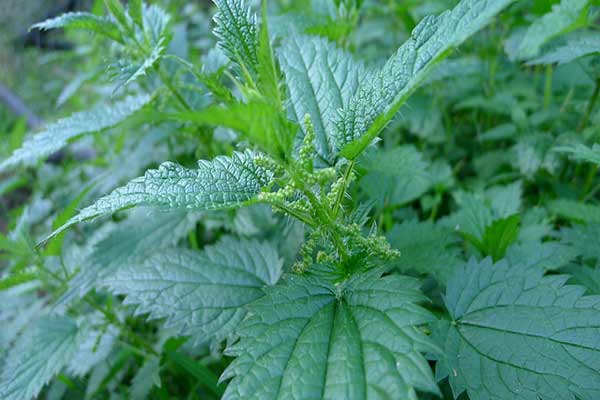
column 312, row 200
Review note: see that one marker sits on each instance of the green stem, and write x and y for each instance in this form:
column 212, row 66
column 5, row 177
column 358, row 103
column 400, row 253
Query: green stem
column 589, row 181
column 169, row 84
column 590, row 107
column 340, row 196
column 548, row 87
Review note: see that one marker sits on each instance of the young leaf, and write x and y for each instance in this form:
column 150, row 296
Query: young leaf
column 145, row 379
column 237, row 33
column 82, row 20
column 321, row 79
column 497, row 236
column 124, row 73
column 116, row 9
column 43, row 350
column 136, row 12
column 224, row 182
column 58, row 134
column 202, row 295
column 381, row 93
column 566, row 16
column 309, row 339
column 517, row 335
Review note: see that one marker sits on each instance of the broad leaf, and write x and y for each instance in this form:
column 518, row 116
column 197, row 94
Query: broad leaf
column 309, row 339
column 236, row 29
column 321, row 79
column 517, row 335
column 426, row 248
column 127, row 243
column 584, row 239
column 566, row 16
column 202, row 295
column 397, row 176
column 43, row 350
column 56, row 135
column 83, row 20
column 380, row 94
column 225, row 182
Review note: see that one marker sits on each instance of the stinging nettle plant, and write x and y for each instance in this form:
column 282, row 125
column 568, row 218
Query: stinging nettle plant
column 339, row 320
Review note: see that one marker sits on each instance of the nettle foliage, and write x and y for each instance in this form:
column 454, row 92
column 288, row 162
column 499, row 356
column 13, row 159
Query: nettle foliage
column 300, row 293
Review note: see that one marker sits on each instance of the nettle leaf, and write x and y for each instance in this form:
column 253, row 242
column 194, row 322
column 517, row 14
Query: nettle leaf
column 426, row 248
column 575, row 211
column 321, row 78
column 311, row 339
column 517, row 335
column 576, row 45
column 127, row 72
column 236, row 29
column 581, row 152
column 58, row 134
column 584, row 239
column 145, row 379
column 564, row 17
column 497, row 236
column 224, row 182
column 83, row 20
column 42, row 352
column 381, row 93
column 129, row 242
column 396, row 176
column 201, row 294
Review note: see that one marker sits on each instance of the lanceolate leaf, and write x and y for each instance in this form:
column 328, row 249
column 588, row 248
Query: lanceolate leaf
column 224, row 182
column 201, row 294
column 380, row 94
column 82, row 20
column 237, row 33
column 517, row 335
column 43, row 350
column 308, row 339
column 58, row 134
column 321, row 79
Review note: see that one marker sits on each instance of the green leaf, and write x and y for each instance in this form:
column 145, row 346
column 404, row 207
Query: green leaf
column 309, row 339
column 145, row 379
column 396, row 176
column 584, row 239
column 517, row 335
column 497, row 236
column 426, row 248
column 127, row 243
column 237, row 33
column 82, row 20
column 43, row 350
column 116, row 9
column 564, row 17
column 224, row 182
column 258, row 120
column 200, row 372
column 575, row 211
column 321, row 79
column 136, row 12
column 581, row 152
column 202, row 295
column 58, row 134
column 380, row 94
column 576, row 45
column 127, row 72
